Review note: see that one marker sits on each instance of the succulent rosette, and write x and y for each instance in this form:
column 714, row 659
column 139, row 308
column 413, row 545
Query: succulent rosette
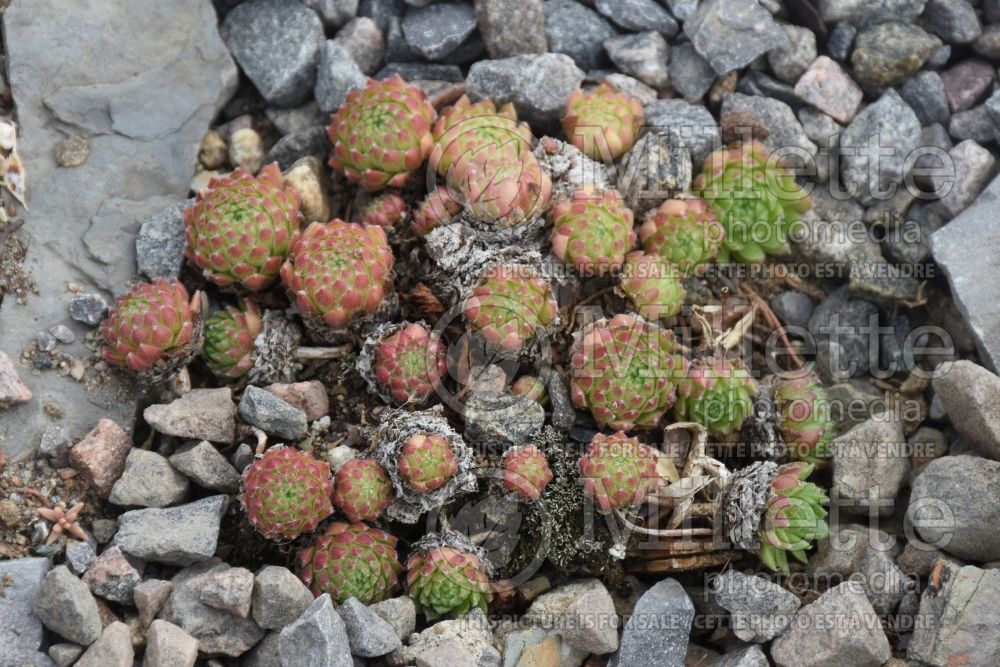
column 445, row 579
column 526, row 472
column 618, row 472
column 465, row 131
column 510, row 305
column 653, row 285
column 385, row 210
column 338, row 272
column 287, row 493
column 602, row 122
column 436, row 210
column 351, row 560
column 804, row 419
column 793, row 517
column 716, row 393
column 229, row 336
column 531, row 386
column 592, row 230
column 755, row 198
column 240, row 228
column 405, row 363
column 684, row 232
column 362, row 490
column 382, row 134
column 501, row 187
column 625, row 371
column 427, row 461
column 153, row 330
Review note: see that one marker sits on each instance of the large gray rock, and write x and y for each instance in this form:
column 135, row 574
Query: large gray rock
column 437, row 30
column 656, row 635
column 537, row 84
column 643, row 55
column 839, row 629
column 20, row 628
column 970, row 395
column 277, row 45
column 67, row 607
column 870, row 463
column 760, row 609
column 638, row 15
column 316, row 638
column 271, row 414
column 370, row 636
column 206, row 467
column 695, row 124
column 400, row 612
column 112, row 70
column 956, row 607
column 786, row 132
column 955, row 507
column 148, row 481
column 278, row 597
column 203, row 414
column 174, row 536
column 338, row 75
column 959, row 250
column 731, row 34
column 577, row 31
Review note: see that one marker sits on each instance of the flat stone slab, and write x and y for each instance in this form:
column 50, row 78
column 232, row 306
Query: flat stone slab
column 140, row 82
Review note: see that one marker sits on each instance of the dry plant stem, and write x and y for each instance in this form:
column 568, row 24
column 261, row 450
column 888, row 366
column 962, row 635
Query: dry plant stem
column 684, row 564
column 317, row 353
column 773, row 322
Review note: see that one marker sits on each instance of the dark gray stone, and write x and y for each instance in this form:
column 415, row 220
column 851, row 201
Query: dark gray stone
column 759, row 609
column 277, row 45
column 55, row 445
column 863, row 13
column 79, row 556
column 866, row 554
column 265, row 654
column 578, row 32
column 381, row 11
column 317, row 637
column 870, row 464
column 67, row 607
column 502, row 418
column 657, row 167
column 362, row 38
column 159, row 246
column 976, row 124
column 750, row 656
column 421, row 71
column 762, row 84
column 967, row 83
column 148, row 481
column 954, row 21
column 837, row 325
column 970, row 395
column 696, row 125
column 512, row 27
column 174, row 536
column 114, row 576
column 271, row 414
column 731, row 34
column 974, row 166
column 279, row 597
column 988, row 44
column 334, row 13
column 888, row 53
column 841, row 40
column 785, row 129
column 793, row 308
column 790, row 61
column 656, row 635
column 20, row 628
column 563, row 414
column 206, row 467
column 437, row 30
column 369, row 635
column 312, row 141
column 644, row 55
column 338, row 75
column 690, row 74
column 638, row 16
column 925, row 95
column 88, row 308
column 537, row 84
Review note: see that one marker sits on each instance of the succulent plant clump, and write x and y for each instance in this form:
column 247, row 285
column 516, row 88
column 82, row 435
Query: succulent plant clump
column 427, row 461
column 436, row 210
column 287, row 493
column 618, row 472
column 153, row 330
column 625, row 371
column 653, row 285
column 755, row 198
column 602, row 122
column 229, row 338
column 385, row 210
column 464, row 132
column 716, row 393
column 502, row 188
column 793, row 517
column 404, row 363
column 362, row 490
column 351, row 560
column 381, row 135
column 339, row 272
column 446, row 579
column 510, row 305
column 804, row 419
column 684, row 232
column 240, row 228
column 526, row 472
column 592, row 231
column 531, row 386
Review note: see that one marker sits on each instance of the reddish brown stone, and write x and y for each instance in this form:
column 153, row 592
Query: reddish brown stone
column 310, row 397
column 100, row 456
column 826, row 86
column 12, row 389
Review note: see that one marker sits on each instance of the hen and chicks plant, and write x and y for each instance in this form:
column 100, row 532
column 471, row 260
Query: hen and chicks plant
column 286, row 493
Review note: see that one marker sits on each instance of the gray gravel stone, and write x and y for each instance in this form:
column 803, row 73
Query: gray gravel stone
column 970, row 395
column 563, row 414
column 88, row 308
column 112, row 649
column 638, row 16
column 826, row 86
column 988, row 44
column 218, row 632
column 437, row 30
column 202, row 414
column 844, row 353
column 174, row 536
column 668, row 609
column 55, row 445
column 953, row 506
column 696, row 125
column 148, row 481
column 790, row 61
column 867, row 12
column 472, row 631
column 841, row 40
column 338, row 75
column 644, row 55
column 870, row 463
column 820, row 128
column 381, row 11
column 577, row 31
column 149, row 598
column 20, row 628
column 363, row 39
column 954, row 609
column 317, row 637
column 267, row 653
column 976, row 124
column 856, row 638
column 777, row 117
column 793, row 308
column 334, row 13
column 590, row 623
column 538, row 85
column 369, row 635
column 400, row 613
column 924, row 92
column 731, row 34
column 229, row 590
column 658, row 166
column 967, row 83
column 79, row 556
column 169, row 646
column 159, row 246
column 278, row 597
column 65, row 654
column 897, row 128
column 512, row 27
column 888, row 53
column 866, row 555
column 750, row 656
column 760, row 610
column 114, row 576
column 974, row 167
column 502, row 418
column 206, row 466
column 421, row 71
column 690, row 74
column 271, row 414
column 67, row 607
column 954, row 21
column 277, row 45
column 312, row 141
